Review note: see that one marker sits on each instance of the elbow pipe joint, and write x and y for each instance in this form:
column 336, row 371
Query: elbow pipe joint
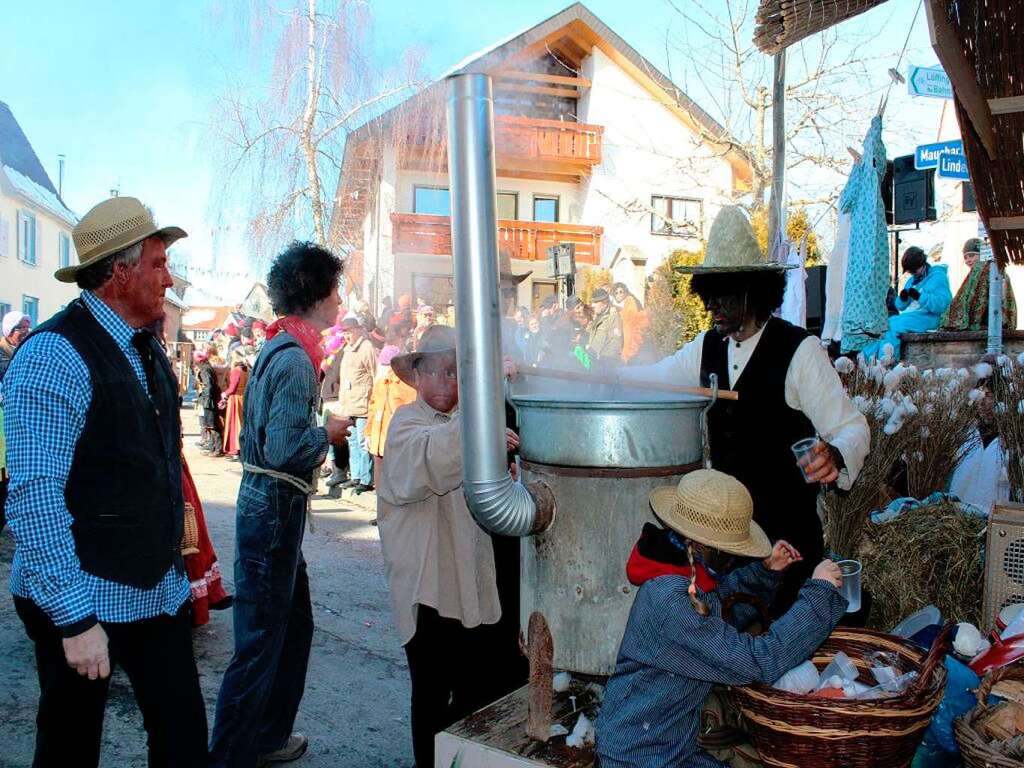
column 508, row 508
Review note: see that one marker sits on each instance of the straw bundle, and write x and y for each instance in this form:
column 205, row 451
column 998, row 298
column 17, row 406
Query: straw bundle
column 781, row 23
column 928, row 555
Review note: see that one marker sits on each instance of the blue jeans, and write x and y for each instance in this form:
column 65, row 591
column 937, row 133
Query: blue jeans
column 273, row 624
column 360, row 465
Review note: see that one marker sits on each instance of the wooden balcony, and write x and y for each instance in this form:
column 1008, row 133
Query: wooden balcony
column 525, row 147
column 418, row 233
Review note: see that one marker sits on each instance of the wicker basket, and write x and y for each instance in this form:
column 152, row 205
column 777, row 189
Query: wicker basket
column 793, row 731
column 973, row 746
column 190, row 535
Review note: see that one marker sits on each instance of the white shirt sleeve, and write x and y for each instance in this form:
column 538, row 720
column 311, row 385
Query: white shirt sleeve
column 813, row 386
column 681, row 369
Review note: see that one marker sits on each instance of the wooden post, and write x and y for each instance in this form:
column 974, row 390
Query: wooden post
column 776, row 219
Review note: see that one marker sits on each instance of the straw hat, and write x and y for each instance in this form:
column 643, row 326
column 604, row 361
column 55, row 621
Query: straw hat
column 112, row 226
column 712, row 508
column 732, row 247
column 436, row 340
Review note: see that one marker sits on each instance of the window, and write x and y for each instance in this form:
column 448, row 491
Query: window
column 676, row 216
column 508, row 205
column 437, row 291
column 545, row 208
column 30, row 306
column 432, row 200
column 64, row 249
column 27, row 237
column 4, row 308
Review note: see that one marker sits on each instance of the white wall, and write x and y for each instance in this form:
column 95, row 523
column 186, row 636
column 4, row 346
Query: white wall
column 18, row 279
column 647, row 151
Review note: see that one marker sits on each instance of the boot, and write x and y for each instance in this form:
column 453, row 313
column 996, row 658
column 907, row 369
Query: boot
column 337, row 478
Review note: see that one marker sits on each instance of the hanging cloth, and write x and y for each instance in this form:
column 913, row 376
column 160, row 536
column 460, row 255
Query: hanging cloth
column 864, row 317
column 835, row 281
column 794, row 300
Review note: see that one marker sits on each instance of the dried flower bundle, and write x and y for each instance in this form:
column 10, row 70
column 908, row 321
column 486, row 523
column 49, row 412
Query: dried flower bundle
column 920, row 421
column 1007, row 384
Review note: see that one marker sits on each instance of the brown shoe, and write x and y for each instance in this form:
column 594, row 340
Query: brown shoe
column 293, row 749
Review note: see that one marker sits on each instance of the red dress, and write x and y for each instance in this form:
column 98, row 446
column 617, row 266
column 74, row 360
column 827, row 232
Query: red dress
column 234, row 395
column 201, row 567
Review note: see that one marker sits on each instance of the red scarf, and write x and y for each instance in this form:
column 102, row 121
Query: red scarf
column 304, row 333
column 653, row 556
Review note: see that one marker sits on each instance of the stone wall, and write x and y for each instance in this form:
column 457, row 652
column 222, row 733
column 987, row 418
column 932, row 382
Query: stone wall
column 954, row 349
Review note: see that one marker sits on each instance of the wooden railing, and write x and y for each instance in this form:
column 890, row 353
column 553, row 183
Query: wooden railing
column 526, row 240
column 524, row 146
column 550, row 141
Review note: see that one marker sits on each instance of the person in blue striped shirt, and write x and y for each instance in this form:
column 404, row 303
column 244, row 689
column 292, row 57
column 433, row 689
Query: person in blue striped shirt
column 96, row 507
column 678, row 645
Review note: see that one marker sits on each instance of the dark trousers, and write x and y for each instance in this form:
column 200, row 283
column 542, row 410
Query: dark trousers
column 156, row 655
column 273, row 623
column 454, row 673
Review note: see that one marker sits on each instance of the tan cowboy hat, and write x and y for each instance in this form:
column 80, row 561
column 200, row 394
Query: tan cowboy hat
column 112, row 226
column 732, row 247
column 436, row 340
column 712, row 508
column 505, row 268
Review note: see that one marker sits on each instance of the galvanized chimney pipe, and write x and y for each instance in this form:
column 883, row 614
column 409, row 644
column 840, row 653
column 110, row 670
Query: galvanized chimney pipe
column 496, row 501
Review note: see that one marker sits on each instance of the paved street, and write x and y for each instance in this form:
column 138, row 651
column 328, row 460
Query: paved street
column 355, row 710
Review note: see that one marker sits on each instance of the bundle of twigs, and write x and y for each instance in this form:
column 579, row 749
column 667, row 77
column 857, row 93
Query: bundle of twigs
column 922, row 422
column 927, row 555
column 1007, row 384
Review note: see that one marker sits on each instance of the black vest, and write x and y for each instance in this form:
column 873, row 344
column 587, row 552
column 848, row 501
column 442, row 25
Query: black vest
column 124, row 488
column 751, row 438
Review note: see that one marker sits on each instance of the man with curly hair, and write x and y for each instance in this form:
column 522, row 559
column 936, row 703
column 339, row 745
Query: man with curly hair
column 282, row 446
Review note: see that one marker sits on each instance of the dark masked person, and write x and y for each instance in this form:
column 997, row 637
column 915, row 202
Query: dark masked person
column 788, row 392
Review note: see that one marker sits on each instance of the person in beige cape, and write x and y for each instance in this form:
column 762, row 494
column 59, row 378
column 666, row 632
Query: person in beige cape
column 439, row 562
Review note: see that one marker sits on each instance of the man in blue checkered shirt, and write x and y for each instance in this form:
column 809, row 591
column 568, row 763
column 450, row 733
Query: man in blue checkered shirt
column 96, row 509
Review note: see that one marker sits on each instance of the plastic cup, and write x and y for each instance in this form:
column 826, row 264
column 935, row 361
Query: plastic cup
column 851, row 570
column 841, row 666
column 802, row 450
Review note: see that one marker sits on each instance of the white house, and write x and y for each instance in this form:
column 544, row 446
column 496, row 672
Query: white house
column 594, row 147
column 35, row 229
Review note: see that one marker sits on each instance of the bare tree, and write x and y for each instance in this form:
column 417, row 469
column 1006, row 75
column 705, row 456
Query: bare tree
column 832, row 91
column 280, row 142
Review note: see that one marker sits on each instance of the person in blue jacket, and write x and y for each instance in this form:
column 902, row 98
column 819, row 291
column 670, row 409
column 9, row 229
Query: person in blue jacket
column 922, row 302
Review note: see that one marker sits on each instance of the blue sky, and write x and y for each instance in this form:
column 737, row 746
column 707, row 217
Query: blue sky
column 126, row 89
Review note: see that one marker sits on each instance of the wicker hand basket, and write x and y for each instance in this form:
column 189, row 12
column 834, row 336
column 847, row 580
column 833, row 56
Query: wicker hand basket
column 190, row 534
column 974, row 746
column 793, row 731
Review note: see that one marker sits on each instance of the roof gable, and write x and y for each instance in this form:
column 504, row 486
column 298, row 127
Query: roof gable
column 29, row 178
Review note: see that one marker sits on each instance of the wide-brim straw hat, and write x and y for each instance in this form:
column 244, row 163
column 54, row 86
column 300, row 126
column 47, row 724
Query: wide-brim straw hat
column 732, row 247
column 112, row 226
column 714, row 509
column 505, row 269
column 436, row 340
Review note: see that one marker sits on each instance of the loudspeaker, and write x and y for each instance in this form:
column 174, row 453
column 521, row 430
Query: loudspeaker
column 969, row 201
column 1004, row 560
column 913, row 192
column 815, row 286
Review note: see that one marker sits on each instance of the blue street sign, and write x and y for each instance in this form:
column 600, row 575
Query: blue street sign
column 929, row 81
column 953, row 166
column 927, row 155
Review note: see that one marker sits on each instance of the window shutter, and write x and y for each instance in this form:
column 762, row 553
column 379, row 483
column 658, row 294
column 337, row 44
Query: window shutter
column 21, row 235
